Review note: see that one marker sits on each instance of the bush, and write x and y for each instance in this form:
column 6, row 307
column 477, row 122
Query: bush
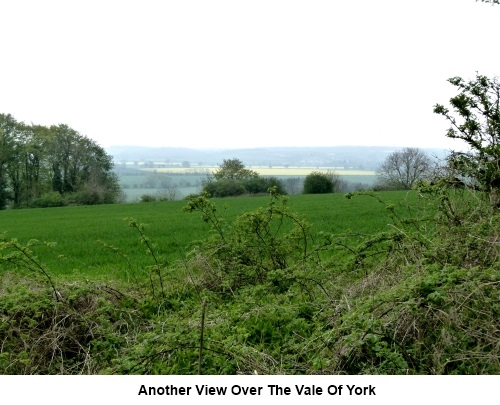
column 80, row 334
column 225, row 188
column 318, row 183
column 261, row 185
column 50, row 199
column 262, row 246
column 4, row 194
column 237, row 187
column 92, row 196
column 147, row 198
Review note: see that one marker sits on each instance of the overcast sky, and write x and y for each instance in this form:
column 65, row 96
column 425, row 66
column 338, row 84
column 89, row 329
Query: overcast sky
column 247, row 73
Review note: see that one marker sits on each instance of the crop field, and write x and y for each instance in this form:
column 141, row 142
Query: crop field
column 78, row 230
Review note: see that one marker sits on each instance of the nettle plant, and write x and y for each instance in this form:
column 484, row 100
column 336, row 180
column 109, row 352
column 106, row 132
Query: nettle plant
column 268, row 245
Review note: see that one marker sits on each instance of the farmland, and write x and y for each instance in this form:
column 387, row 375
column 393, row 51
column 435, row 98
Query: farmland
column 157, row 179
column 76, row 230
column 370, row 284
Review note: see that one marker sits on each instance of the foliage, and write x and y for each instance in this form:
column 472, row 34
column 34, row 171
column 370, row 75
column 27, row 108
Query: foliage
column 49, row 199
column 225, row 188
column 79, row 334
column 261, row 185
column 146, row 198
column 322, row 183
column 21, row 256
column 36, row 161
column 477, row 124
column 253, row 185
column 260, row 243
column 159, row 262
column 233, row 179
column 402, row 169
column 437, row 313
column 233, row 169
column 3, row 193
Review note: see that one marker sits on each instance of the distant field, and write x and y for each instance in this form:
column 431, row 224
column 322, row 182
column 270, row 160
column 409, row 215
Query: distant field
column 142, row 181
column 76, row 230
column 268, row 171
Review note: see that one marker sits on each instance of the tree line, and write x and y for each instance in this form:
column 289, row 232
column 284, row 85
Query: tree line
column 52, row 166
column 232, row 178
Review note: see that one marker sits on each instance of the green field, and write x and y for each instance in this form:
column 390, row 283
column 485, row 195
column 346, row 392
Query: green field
column 76, row 230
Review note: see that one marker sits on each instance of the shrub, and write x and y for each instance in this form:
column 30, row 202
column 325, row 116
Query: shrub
column 233, row 179
column 225, row 188
column 262, row 246
column 261, row 185
column 50, row 199
column 146, row 198
column 318, row 183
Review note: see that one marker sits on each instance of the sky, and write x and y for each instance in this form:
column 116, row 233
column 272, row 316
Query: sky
column 241, row 73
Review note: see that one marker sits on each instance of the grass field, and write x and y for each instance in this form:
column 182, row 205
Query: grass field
column 76, row 230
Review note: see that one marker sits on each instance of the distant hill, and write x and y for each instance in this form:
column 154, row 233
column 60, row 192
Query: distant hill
column 349, row 157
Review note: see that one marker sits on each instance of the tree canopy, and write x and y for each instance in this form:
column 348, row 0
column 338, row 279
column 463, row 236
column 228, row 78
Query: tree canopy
column 402, row 169
column 233, row 179
column 233, row 169
column 53, row 165
column 475, row 119
column 322, row 183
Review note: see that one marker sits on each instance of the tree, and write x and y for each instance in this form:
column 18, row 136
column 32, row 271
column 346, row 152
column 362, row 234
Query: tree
column 293, row 185
column 233, row 169
column 36, row 160
column 225, row 188
column 402, row 169
column 233, row 179
column 321, row 183
column 476, row 121
column 9, row 133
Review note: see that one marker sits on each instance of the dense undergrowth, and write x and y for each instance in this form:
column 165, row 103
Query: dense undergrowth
column 264, row 294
